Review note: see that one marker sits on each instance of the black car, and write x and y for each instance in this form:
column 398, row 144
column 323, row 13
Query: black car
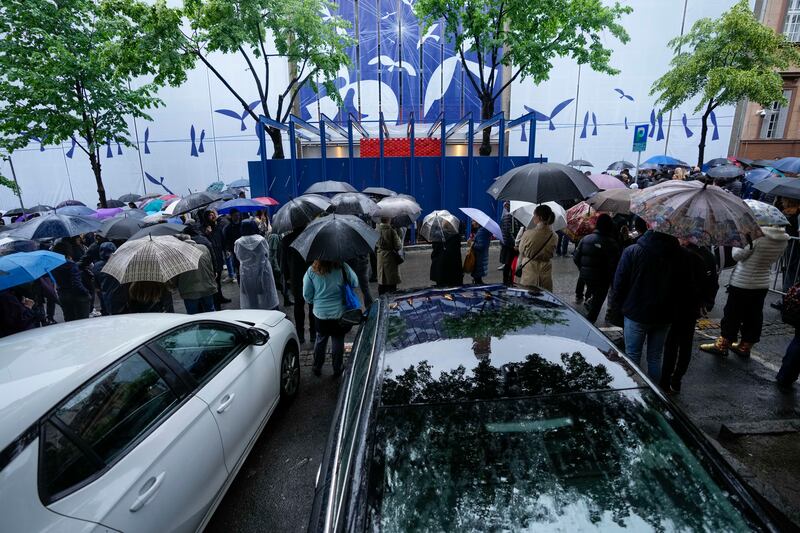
column 496, row 409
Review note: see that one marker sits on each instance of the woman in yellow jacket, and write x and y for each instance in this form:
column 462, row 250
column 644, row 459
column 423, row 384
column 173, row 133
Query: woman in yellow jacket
column 536, row 250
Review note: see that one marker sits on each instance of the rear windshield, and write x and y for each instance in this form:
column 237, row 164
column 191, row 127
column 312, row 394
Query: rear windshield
column 574, row 462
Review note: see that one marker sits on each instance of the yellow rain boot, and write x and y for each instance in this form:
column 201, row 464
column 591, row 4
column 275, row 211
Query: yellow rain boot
column 742, row 349
column 718, row 347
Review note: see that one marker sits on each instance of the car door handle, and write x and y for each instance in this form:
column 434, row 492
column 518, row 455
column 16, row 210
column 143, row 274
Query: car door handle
column 147, row 491
column 226, row 402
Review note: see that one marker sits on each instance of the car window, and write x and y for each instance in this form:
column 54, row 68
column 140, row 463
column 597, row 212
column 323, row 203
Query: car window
column 201, row 348
column 101, row 420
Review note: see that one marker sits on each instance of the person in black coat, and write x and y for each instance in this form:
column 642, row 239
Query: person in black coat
column 212, row 227
column 509, row 227
column 294, row 267
column 597, row 256
column 231, row 234
column 446, row 266
column 697, row 271
column 73, row 296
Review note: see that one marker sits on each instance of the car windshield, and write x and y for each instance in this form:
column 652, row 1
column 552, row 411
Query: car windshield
column 604, row 460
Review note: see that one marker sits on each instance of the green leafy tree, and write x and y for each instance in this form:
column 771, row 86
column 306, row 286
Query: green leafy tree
column 312, row 41
column 725, row 61
column 525, row 36
column 66, row 68
column 6, row 182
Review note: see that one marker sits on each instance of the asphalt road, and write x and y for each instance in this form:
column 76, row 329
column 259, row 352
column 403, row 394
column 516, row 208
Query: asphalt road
column 274, row 490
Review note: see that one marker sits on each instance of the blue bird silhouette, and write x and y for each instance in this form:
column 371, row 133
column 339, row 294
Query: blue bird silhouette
column 652, row 123
column 686, row 129
column 71, row 150
column 193, row 152
column 202, row 136
column 146, row 138
column 238, row 116
column 623, row 95
column 160, row 182
column 549, row 118
column 41, row 144
column 594, row 123
column 119, row 148
column 626, row 123
column 660, row 124
column 259, row 129
column 109, row 153
column 715, row 134
column 585, row 123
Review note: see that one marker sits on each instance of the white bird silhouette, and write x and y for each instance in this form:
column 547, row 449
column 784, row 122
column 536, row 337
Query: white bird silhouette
column 409, row 3
column 392, row 64
column 429, row 35
column 387, row 15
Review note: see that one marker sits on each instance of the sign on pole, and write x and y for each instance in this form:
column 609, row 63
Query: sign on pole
column 640, row 138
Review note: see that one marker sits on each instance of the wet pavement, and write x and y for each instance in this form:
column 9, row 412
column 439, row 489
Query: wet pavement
column 274, row 489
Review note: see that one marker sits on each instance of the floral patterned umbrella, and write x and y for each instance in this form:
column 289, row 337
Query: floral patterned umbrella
column 766, row 214
column 581, row 219
column 699, row 213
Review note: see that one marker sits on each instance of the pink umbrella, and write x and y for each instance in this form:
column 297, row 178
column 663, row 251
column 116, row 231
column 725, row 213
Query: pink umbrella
column 107, row 212
column 266, row 200
column 606, row 181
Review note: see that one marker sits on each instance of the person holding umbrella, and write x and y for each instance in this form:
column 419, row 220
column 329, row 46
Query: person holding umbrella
column 16, row 311
column 481, row 238
column 536, row 249
column 388, row 252
column 73, row 296
column 596, row 257
column 256, row 281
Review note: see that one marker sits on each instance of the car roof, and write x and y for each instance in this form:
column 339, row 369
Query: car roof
column 39, row 367
column 483, row 343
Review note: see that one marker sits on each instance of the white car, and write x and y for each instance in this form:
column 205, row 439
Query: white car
column 136, row 422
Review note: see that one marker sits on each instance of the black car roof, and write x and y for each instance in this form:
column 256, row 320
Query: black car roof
column 481, row 343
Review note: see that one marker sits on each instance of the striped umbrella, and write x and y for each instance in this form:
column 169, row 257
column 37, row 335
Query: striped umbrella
column 152, row 259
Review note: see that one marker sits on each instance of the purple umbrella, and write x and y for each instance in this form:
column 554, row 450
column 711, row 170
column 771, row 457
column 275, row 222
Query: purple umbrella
column 606, row 181
column 483, row 220
column 107, row 212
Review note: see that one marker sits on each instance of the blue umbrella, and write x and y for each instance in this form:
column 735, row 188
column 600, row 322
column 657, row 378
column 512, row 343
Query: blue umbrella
column 243, row 205
column 217, row 186
column 24, row 267
column 56, row 226
column 760, row 174
column 666, row 161
column 240, row 183
column 788, row 164
column 75, row 210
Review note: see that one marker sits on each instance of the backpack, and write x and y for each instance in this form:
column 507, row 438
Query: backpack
column 790, row 312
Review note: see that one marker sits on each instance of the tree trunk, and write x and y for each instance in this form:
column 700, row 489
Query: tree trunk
column 701, row 148
column 487, row 112
column 101, row 190
column 277, row 143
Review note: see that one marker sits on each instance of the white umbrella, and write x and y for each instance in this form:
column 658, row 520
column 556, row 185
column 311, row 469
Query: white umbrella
column 523, row 211
column 438, row 226
column 152, row 259
column 484, row 220
column 170, row 209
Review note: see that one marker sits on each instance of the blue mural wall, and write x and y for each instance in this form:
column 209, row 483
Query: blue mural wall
column 397, row 66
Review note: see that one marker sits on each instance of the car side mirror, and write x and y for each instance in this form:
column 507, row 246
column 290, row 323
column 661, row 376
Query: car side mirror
column 257, row 337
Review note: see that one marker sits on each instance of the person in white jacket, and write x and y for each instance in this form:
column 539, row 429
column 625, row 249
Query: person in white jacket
column 744, row 310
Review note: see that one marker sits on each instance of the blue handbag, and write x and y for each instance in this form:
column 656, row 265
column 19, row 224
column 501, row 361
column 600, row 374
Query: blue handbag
column 352, row 305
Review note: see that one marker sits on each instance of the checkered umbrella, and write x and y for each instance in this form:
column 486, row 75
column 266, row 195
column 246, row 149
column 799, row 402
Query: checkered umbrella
column 152, row 259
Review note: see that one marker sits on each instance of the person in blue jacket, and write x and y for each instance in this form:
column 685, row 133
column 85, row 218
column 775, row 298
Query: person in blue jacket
column 481, row 238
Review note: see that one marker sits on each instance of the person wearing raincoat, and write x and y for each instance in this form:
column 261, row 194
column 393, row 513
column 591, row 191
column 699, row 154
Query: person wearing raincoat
column 536, row 249
column 256, row 282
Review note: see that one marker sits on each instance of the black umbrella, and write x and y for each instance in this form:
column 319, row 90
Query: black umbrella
column 620, row 165
column 580, row 163
column 130, row 197
column 330, row 187
column 353, row 203
column 115, row 203
column 297, row 213
column 745, row 161
column 779, row 186
column 158, row 230
column 23, row 245
column 196, row 200
column 381, row 192
column 542, row 182
column 55, row 226
column 763, row 163
column 38, row 209
column 132, row 213
column 14, row 212
column 726, row 172
column 718, row 162
column 120, row 229
column 336, row 238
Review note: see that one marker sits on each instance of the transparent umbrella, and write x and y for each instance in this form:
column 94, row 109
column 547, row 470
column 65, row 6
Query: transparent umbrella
column 523, row 211
column 330, row 187
column 402, row 210
column 55, row 226
column 439, row 225
column 353, row 203
column 196, row 200
column 299, row 212
column 616, row 201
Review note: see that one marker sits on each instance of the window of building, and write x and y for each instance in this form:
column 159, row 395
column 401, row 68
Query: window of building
column 773, row 125
column 791, row 27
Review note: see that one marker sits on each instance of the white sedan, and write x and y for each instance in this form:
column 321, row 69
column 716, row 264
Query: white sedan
column 136, row 422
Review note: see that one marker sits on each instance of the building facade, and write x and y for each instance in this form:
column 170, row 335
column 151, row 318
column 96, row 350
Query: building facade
column 773, row 131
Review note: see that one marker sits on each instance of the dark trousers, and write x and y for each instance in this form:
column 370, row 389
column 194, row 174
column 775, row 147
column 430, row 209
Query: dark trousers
column 204, row 304
column 508, row 275
column 384, row 289
column 329, row 329
column 598, row 291
column 677, row 351
column 218, row 296
column 744, row 313
column 562, row 247
column 300, row 319
column 790, row 369
column 580, row 286
column 74, row 306
column 373, row 266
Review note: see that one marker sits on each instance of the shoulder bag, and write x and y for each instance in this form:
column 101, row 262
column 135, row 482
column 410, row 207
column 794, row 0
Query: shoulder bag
column 469, row 260
column 352, row 305
column 521, row 267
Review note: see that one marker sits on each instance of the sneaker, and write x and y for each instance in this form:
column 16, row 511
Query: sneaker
column 578, row 300
column 95, row 313
column 742, row 349
column 718, row 347
column 501, row 267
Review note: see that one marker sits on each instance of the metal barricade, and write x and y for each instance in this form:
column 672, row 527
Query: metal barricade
column 786, row 271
